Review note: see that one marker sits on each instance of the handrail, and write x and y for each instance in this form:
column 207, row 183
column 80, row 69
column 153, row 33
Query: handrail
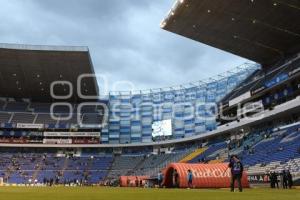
column 199, row 83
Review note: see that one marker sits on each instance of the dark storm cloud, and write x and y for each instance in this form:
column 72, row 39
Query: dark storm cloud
column 124, row 37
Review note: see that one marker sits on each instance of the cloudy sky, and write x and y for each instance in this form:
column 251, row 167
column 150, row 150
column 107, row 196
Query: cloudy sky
column 124, row 38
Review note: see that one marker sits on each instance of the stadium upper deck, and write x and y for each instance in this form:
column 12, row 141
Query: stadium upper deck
column 263, row 31
column 27, row 71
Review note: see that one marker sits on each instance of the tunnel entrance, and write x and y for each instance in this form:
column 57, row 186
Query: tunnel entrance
column 171, row 179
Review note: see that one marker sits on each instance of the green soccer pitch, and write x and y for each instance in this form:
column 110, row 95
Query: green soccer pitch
column 99, row 193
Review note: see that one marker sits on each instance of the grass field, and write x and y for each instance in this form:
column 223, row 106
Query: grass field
column 98, row 193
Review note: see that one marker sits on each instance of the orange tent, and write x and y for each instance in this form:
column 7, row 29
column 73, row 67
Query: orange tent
column 204, row 175
column 130, row 181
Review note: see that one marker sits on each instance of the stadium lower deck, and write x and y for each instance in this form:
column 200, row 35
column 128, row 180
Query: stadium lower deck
column 262, row 151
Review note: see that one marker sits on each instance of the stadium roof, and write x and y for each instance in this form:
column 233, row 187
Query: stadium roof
column 27, row 71
column 264, row 31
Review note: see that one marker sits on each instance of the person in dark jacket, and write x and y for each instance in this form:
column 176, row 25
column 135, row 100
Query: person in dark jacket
column 284, row 180
column 175, row 179
column 274, row 180
column 290, row 179
column 237, row 169
column 136, row 182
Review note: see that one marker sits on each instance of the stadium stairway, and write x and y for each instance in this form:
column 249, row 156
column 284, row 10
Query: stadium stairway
column 211, row 153
column 109, row 169
column 137, row 167
column 39, row 167
column 65, row 166
column 8, row 172
column 193, row 155
column 10, row 169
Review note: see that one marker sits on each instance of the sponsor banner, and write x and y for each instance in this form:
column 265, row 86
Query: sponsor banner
column 35, row 134
column 294, row 72
column 257, row 90
column 86, row 141
column 240, row 98
column 72, row 134
column 35, row 141
column 5, row 140
column 97, row 141
column 19, row 140
column 254, row 179
column 30, row 126
column 57, row 141
column 13, row 140
column 276, row 80
column 252, row 107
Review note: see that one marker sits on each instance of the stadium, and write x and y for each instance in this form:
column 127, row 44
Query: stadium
column 62, row 137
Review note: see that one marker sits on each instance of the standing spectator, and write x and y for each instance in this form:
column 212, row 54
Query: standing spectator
column 51, row 182
column 160, row 179
column 175, row 179
column 128, row 182
column 272, row 180
column 190, row 179
column 141, row 183
column 290, row 179
column 57, row 180
column 237, row 169
column 136, row 182
column 281, row 179
column 284, row 180
column 276, row 180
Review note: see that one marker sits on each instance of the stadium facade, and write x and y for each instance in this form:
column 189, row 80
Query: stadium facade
column 191, row 107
